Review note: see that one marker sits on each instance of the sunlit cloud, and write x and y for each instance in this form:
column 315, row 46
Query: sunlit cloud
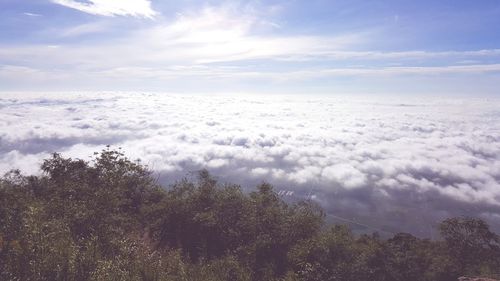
column 226, row 41
column 211, row 35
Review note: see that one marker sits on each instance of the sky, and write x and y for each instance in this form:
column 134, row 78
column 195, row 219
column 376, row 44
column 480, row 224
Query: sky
column 397, row 47
column 386, row 113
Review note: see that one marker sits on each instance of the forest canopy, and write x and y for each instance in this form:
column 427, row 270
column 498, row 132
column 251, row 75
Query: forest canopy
column 109, row 219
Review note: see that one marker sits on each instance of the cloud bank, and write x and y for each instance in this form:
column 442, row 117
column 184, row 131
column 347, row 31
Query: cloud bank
column 392, row 164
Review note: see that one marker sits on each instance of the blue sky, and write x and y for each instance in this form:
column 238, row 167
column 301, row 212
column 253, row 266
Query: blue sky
column 314, row 46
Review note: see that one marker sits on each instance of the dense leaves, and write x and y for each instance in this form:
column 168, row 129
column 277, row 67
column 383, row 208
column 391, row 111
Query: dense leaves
column 107, row 219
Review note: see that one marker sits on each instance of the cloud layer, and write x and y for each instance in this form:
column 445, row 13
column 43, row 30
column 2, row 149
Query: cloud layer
column 393, row 164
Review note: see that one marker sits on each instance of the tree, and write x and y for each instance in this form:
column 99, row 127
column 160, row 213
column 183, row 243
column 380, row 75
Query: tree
column 107, row 219
column 471, row 244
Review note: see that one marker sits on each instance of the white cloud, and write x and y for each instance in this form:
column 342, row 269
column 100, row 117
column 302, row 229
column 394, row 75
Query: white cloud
column 200, row 48
column 182, row 47
column 345, row 175
column 135, row 8
column 376, row 157
column 31, row 14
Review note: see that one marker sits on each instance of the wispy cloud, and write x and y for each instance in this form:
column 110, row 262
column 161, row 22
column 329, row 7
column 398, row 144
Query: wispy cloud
column 227, row 41
column 392, row 71
column 82, row 29
column 31, row 14
column 212, row 35
column 135, row 8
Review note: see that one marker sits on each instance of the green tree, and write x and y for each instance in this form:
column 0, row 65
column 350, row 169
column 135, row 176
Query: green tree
column 471, row 245
column 107, row 219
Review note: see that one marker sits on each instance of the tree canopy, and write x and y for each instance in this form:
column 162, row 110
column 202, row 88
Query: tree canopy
column 108, row 219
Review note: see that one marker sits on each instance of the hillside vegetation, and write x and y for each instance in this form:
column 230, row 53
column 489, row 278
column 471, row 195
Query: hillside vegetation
column 108, row 219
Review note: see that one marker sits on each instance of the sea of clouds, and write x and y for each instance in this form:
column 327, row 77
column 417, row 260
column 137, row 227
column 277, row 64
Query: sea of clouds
column 385, row 164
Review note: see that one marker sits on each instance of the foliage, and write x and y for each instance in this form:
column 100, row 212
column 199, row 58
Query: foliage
column 107, row 219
